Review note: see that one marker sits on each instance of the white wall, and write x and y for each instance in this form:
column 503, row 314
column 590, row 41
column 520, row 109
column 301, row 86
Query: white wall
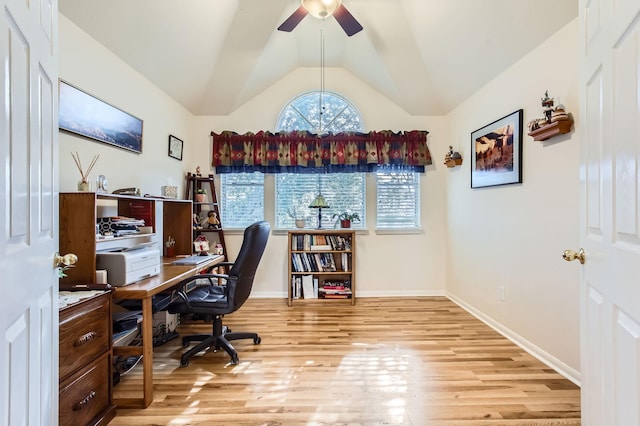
column 473, row 240
column 94, row 69
column 513, row 236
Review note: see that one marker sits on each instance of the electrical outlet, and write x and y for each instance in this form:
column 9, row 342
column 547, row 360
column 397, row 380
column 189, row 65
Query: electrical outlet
column 501, row 293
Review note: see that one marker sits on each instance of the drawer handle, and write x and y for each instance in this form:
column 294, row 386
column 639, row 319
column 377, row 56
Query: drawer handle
column 85, row 338
column 85, row 401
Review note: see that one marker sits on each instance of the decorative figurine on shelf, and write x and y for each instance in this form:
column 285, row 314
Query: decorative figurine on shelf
column 195, row 223
column 555, row 121
column 452, row 158
column 198, row 171
column 547, row 104
column 211, row 221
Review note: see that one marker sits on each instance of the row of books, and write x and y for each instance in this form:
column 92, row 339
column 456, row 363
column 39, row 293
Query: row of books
column 320, row 242
column 319, row 262
column 307, row 287
column 335, row 290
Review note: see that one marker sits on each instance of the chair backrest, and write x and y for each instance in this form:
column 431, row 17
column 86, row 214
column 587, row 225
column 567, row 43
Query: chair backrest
column 245, row 265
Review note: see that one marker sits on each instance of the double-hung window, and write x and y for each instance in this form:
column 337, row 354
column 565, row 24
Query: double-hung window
column 397, row 199
column 242, row 199
column 342, row 192
column 320, row 112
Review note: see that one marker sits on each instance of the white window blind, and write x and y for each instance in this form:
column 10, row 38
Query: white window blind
column 342, row 191
column 398, row 199
column 242, row 199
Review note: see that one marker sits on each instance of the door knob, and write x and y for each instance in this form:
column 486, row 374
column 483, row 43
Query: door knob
column 68, row 259
column 570, row 255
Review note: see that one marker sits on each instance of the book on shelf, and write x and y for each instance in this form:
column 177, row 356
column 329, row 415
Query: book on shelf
column 336, row 296
column 309, row 242
column 313, row 262
column 335, row 289
column 307, row 287
column 296, row 286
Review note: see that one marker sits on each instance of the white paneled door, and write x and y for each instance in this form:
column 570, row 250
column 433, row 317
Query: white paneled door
column 610, row 217
column 28, row 212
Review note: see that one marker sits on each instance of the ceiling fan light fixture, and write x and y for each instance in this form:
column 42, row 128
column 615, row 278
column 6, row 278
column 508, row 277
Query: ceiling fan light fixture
column 321, row 9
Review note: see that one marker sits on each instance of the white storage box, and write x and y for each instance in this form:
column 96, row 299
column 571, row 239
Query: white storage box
column 164, row 322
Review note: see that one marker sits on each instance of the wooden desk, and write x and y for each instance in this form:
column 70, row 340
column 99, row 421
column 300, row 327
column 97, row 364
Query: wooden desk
column 169, row 276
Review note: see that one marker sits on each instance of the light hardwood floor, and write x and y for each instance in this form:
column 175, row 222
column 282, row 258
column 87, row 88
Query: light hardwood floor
column 393, row 361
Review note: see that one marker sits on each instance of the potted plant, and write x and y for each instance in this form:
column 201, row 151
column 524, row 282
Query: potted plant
column 345, row 218
column 297, row 217
column 201, row 195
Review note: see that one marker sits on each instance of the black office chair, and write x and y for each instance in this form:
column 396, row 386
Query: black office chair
column 221, row 295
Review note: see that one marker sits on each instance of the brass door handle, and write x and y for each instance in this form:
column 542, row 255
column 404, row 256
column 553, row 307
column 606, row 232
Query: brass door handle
column 570, row 255
column 68, row 259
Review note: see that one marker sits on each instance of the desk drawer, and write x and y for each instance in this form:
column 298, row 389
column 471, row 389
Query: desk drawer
column 84, row 334
column 86, row 394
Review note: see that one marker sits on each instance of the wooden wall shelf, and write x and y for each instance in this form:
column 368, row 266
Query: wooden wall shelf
column 551, row 130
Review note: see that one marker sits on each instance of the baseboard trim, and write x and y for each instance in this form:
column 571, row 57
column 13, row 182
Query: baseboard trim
column 410, row 293
column 570, row 373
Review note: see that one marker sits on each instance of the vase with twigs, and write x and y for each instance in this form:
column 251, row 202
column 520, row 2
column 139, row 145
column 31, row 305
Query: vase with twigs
column 83, row 185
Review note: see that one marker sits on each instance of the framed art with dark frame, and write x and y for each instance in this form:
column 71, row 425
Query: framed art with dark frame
column 85, row 115
column 175, row 147
column 497, row 152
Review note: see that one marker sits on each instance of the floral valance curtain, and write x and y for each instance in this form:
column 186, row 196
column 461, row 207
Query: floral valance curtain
column 305, row 152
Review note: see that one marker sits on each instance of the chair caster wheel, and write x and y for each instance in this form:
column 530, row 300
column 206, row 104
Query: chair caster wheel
column 235, row 360
column 184, row 363
column 257, row 340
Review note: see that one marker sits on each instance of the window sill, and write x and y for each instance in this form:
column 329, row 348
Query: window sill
column 398, row 231
column 284, row 231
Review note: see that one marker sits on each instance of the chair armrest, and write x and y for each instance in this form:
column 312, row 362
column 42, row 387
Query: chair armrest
column 181, row 286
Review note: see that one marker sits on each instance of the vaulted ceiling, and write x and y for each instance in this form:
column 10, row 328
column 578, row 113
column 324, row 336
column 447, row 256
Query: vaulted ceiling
column 427, row 56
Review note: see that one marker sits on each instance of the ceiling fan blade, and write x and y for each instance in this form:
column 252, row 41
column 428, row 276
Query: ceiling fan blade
column 292, row 21
column 347, row 21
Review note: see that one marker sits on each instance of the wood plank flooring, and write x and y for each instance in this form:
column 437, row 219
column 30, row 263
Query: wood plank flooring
column 384, row 361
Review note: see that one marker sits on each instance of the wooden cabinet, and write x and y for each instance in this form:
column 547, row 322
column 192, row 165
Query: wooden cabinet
column 79, row 214
column 85, row 362
column 322, row 266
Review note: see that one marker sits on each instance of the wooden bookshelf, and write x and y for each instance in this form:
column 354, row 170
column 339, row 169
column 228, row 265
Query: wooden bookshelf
column 322, row 262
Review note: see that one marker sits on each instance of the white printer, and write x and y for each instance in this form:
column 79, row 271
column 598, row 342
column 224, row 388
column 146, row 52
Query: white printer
column 128, row 265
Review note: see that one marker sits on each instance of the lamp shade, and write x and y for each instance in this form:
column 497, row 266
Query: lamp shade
column 321, row 8
column 319, row 203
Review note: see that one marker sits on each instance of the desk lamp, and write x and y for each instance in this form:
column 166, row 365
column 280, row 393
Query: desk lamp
column 319, row 203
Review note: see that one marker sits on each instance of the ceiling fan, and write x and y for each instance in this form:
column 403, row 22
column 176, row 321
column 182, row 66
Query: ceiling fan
column 323, row 9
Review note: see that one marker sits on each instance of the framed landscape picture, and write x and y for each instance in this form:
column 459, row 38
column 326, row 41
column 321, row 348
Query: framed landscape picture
column 88, row 116
column 497, row 152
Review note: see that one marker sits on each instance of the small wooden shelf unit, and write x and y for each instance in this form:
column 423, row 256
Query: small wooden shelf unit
column 201, row 209
column 550, row 130
column 322, row 266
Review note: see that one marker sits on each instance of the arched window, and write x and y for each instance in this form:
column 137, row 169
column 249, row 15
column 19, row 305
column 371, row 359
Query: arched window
column 319, row 112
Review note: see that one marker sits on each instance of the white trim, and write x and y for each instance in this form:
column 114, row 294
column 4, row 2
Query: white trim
column 408, row 293
column 548, row 359
column 398, row 231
